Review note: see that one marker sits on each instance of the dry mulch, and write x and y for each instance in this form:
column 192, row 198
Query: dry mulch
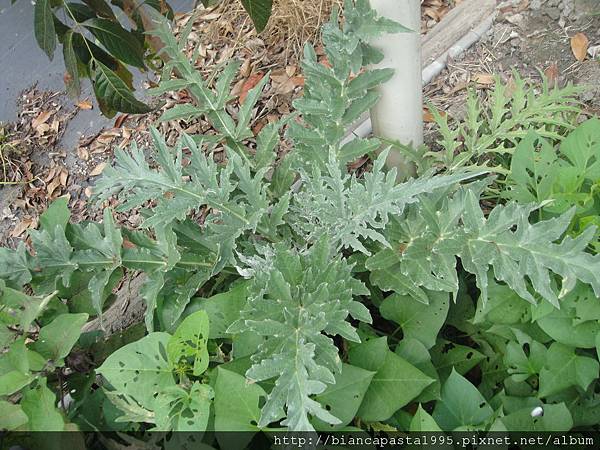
column 222, row 33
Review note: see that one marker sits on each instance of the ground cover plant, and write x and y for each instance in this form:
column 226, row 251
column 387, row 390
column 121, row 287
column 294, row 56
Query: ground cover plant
column 317, row 298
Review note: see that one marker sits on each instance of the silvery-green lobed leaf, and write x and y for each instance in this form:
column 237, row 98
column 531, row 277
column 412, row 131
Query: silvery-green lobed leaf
column 297, row 301
column 352, row 211
column 430, row 235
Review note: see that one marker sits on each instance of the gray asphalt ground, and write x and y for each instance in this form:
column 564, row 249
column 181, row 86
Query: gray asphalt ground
column 23, row 64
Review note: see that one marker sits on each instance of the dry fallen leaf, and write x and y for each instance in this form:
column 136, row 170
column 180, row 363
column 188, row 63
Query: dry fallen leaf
column 120, row 119
column 552, row 75
column 64, row 175
column 41, row 119
column 128, row 244
column 98, row 169
column 85, row 104
column 428, row 116
column 25, row 224
column 249, row 84
column 283, row 83
column 579, row 46
column 484, row 78
column 83, row 153
column 594, row 51
column 51, row 188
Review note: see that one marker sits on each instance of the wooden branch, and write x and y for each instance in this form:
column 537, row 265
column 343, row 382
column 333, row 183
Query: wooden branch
column 456, row 24
column 128, row 309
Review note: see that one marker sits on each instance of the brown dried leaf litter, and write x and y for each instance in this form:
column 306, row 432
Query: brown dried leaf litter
column 222, row 33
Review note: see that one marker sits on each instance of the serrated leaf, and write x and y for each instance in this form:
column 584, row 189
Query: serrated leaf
column 14, row 265
column 533, row 174
column 180, row 296
column 245, row 114
column 169, row 85
column 150, row 289
column 353, row 212
column 54, row 254
column 44, row 31
column 320, row 305
column 183, row 111
column 394, row 280
column 119, row 42
column 357, row 148
column 99, row 251
column 259, row 11
column 368, row 80
column 519, row 252
column 113, row 93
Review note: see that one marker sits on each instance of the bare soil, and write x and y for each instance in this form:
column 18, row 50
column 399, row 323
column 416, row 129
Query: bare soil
column 532, row 38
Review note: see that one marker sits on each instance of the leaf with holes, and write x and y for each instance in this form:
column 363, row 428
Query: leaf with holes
column 447, row 356
column 187, row 350
column 180, row 410
column 344, row 398
column 417, row 320
column 461, row 405
column 237, row 408
column 422, row 421
column 140, row 370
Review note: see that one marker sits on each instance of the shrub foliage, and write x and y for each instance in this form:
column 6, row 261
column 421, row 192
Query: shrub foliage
column 320, row 298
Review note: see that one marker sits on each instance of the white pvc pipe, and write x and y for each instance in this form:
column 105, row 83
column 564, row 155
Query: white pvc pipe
column 364, row 128
column 399, row 113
